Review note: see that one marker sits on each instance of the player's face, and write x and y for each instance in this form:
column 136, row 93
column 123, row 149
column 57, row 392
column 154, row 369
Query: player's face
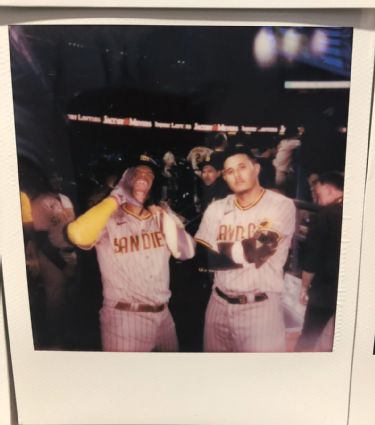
column 209, row 175
column 240, row 173
column 142, row 182
column 169, row 159
column 324, row 194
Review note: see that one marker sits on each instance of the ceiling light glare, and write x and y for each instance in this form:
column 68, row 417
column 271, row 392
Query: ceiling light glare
column 291, row 44
column 319, row 43
column 265, row 48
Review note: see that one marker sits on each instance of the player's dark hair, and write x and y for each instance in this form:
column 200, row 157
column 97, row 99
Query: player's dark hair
column 219, row 140
column 239, row 149
column 333, row 178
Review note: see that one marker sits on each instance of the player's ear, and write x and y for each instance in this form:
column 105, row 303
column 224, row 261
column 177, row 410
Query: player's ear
column 257, row 168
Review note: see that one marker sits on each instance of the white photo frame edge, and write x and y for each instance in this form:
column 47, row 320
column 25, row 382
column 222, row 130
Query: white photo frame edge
column 209, row 4
column 244, row 367
column 362, row 388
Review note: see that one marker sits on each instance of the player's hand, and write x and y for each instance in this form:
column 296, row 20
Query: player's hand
column 118, row 191
column 179, row 219
column 249, row 249
column 260, row 247
column 156, row 209
column 303, row 296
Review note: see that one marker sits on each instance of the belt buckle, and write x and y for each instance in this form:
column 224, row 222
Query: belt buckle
column 134, row 307
column 242, row 299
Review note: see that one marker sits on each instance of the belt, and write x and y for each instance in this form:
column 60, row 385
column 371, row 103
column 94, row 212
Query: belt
column 242, row 299
column 142, row 308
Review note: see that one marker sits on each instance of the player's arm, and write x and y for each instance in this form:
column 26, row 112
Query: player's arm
column 85, row 231
column 210, row 254
column 213, row 260
column 178, row 240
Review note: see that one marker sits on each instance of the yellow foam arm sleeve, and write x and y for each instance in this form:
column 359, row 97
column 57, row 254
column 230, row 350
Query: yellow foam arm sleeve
column 86, row 229
column 26, row 214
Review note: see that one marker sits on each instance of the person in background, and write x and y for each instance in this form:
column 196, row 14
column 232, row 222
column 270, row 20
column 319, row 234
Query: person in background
column 283, row 162
column 50, row 259
column 265, row 156
column 321, row 262
column 213, row 186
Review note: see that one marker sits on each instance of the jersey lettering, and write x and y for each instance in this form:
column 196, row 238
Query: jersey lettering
column 136, row 243
column 146, row 241
column 230, row 233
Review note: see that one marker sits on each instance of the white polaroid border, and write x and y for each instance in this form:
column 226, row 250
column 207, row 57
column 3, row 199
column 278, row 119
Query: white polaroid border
column 211, row 4
column 362, row 386
column 5, row 395
column 156, row 388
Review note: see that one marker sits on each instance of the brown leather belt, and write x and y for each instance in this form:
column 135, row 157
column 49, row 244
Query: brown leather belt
column 242, row 299
column 142, row 308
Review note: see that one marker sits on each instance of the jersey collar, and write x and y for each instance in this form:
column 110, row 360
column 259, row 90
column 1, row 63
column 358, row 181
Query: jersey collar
column 252, row 204
column 137, row 216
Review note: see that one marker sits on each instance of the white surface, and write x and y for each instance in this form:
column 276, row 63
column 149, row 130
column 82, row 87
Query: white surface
column 5, row 416
column 126, row 388
column 363, row 377
column 254, row 4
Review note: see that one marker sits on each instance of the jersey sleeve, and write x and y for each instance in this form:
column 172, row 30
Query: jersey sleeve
column 179, row 242
column 207, row 232
column 26, row 213
column 87, row 229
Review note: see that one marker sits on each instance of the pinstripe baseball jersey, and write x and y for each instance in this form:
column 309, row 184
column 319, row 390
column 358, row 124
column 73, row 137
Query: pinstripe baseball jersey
column 226, row 221
column 134, row 259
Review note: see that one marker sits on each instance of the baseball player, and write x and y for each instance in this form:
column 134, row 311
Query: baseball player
column 133, row 244
column 253, row 227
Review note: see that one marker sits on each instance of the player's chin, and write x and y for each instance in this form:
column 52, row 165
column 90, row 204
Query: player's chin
column 140, row 196
column 240, row 189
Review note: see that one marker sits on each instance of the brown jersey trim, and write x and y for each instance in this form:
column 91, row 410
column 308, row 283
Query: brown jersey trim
column 137, row 216
column 252, row 204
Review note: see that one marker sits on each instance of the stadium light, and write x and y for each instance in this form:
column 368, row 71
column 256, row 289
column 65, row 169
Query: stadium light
column 291, row 44
column 265, row 48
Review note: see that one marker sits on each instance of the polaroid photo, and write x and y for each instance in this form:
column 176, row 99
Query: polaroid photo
column 183, row 214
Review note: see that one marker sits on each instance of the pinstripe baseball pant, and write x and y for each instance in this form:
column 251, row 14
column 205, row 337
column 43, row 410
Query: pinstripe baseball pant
column 137, row 332
column 252, row 327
